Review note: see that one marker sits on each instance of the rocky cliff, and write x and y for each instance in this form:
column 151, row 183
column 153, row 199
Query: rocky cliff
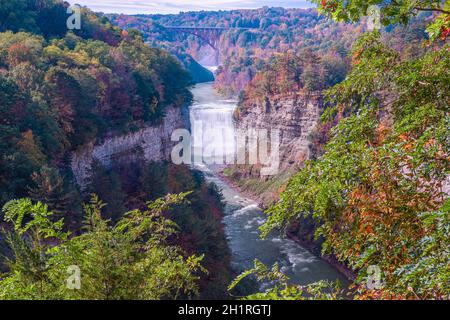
column 151, row 143
column 295, row 116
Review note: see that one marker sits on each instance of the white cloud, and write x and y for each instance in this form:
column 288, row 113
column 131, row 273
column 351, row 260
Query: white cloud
column 175, row 6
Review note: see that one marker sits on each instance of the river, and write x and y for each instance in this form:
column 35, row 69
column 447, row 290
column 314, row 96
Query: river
column 243, row 217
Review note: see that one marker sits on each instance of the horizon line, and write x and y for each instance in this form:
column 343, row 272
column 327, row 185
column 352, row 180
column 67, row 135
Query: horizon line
column 154, row 8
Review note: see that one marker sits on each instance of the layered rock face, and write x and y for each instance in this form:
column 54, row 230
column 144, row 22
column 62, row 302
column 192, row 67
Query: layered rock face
column 152, row 143
column 296, row 117
column 206, row 55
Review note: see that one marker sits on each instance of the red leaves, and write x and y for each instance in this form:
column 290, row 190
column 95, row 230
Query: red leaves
column 445, row 32
column 445, row 29
column 329, row 5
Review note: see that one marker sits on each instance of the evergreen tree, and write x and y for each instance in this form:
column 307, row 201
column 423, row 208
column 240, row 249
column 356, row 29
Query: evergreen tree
column 50, row 188
column 108, row 186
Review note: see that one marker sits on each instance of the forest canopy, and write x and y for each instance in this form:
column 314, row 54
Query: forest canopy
column 61, row 89
column 130, row 260
column 379, row 190
column 376, row 188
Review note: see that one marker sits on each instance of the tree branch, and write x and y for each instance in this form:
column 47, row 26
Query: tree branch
column 432, row 10
column 395, row 3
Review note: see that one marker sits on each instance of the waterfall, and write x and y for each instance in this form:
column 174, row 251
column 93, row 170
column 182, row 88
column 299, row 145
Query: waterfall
column 213, row 129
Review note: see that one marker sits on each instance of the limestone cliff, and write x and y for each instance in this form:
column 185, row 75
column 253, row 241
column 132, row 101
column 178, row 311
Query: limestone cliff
column 295, row 116
column 151, row 143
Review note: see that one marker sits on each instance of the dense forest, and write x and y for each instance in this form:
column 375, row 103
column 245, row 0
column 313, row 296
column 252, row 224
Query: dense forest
column 376, row 187
column 63, row 89
column 60, row 90
column 243, row 53
column 314, row 68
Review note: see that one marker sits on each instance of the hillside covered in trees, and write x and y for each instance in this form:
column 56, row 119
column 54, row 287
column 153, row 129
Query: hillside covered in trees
column 243, row 53
column 375, row 190
column 59, row 91
column 378, row 187
column 62, row 89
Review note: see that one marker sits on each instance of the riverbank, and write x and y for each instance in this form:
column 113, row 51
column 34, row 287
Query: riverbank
column 312, row 247
column 245, row 193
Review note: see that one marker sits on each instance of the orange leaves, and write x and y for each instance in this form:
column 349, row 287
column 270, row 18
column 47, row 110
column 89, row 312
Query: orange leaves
column 124, row 34
column 381, row 213
column 430, row 143
column 382, row 132
column 404, row 137
column 378, row 295
column 281, row 189
column 368, row 229
column 18, row 53
column 29, row 147
column 356, row 57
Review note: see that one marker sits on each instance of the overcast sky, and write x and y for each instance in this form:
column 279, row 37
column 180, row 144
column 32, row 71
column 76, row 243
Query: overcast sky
column 175, row 6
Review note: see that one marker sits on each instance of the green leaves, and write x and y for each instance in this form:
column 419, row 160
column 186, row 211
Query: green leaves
column 281, row 290
column 151, row 224
column 440, row 28
column 131, row 260
column 400, row 11
column 391, row 12
column 262, row 273
column 429, row 274
column 379, row 182
column 18, row 213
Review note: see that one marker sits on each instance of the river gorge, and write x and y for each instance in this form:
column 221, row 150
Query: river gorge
column 243, row 217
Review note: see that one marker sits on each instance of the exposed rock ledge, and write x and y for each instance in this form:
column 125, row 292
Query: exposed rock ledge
column 152, row 143
column 296, row 117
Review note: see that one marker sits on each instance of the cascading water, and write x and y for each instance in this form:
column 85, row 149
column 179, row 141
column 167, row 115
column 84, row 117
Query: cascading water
column 212, row 122
column 212, row 125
